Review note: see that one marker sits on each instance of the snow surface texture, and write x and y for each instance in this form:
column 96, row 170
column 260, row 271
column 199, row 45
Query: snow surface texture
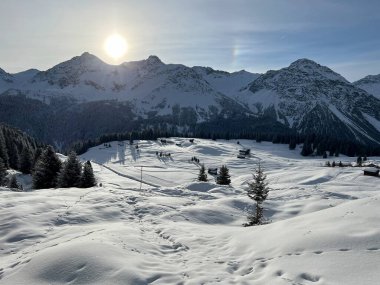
column 324, row 230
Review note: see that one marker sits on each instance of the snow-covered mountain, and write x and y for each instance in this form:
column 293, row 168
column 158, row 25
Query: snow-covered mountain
column 153, row 87
column 314, row 99
column 305, row 97
column 5, row 78
column 371, row 84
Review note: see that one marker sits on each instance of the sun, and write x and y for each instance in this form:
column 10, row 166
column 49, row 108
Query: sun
column 116, row 46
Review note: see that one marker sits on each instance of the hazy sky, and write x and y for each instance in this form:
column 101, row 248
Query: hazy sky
column 256, row 35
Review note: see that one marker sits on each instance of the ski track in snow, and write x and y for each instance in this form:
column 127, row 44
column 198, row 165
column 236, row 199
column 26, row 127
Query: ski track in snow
column 323, row 225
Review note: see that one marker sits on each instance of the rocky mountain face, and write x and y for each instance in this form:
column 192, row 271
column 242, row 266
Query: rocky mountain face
column 371, row 84
column 5, row 78
column 313, row 99
column 85, row 97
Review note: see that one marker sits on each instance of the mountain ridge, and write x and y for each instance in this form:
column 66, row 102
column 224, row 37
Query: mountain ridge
column 305, row 97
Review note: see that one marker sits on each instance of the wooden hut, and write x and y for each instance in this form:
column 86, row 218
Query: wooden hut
column 245, row 151
column 371, row 171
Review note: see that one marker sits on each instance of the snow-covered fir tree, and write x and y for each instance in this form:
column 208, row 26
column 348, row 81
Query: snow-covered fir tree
column 224, row 176
column 88, row 177
column 257, row 191
column 71, row 172
column 202, row 176
column 46, row 171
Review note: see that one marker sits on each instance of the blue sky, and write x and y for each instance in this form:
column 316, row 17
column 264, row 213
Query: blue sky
column 256, row 35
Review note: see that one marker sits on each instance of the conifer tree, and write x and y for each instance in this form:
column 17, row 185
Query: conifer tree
column 88, row 179
column 223, row 177
column 292, row 144
column 202, row 174
column 14, row 157
column 3, row 150
column 258, row 191
column 46, row 171
column 306, row 149
column 359, row 161
column 36, row 156
column 3, row 172
column 71, row 172
column 26, row 161
column 13, row 183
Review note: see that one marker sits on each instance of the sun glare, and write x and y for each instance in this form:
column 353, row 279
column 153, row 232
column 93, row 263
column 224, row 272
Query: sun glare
column 116, row 46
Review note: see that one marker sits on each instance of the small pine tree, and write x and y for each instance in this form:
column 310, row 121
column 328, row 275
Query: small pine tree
column 324, row 154
column 359, row 161
column 223, row 177
column 3, row 172
column 258, row 191
column 202, row 174
column 131, row 139
column 46, row 170
column 340, row 164
column 88, row 179
column 333, row 164
column 26, row 162
column 306, row 149
column 71, row 172
column 328, row 164
column 292, row 144
column 13, row 183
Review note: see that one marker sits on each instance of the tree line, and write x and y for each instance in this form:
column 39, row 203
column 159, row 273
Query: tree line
column 21, row 152
column 50, row 172
column 17, row 151
column 312, row 144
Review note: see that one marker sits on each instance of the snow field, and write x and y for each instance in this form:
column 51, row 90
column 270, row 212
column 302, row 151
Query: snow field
column 324, row 221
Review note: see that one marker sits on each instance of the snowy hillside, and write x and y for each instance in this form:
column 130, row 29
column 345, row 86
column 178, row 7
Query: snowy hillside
column 371, row 84
column 324, row 221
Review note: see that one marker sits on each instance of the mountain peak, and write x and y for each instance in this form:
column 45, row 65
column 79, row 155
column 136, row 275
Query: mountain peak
column 2, row 71
column 369, row 79
column 304, row 62
column 154, row 59
column 5, row 76
column 86, row 56
column 312, row 68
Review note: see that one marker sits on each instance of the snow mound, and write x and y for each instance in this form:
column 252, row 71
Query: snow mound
column 78, row 263
column 201, row 186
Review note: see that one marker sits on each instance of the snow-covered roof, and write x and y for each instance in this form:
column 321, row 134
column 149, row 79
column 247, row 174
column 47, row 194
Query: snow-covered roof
column 371, row 169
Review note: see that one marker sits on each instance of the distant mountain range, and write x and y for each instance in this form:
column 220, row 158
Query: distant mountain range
column 84, row 97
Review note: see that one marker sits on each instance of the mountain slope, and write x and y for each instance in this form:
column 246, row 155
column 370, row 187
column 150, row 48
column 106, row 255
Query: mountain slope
column 313, row 99
column 371, row 84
